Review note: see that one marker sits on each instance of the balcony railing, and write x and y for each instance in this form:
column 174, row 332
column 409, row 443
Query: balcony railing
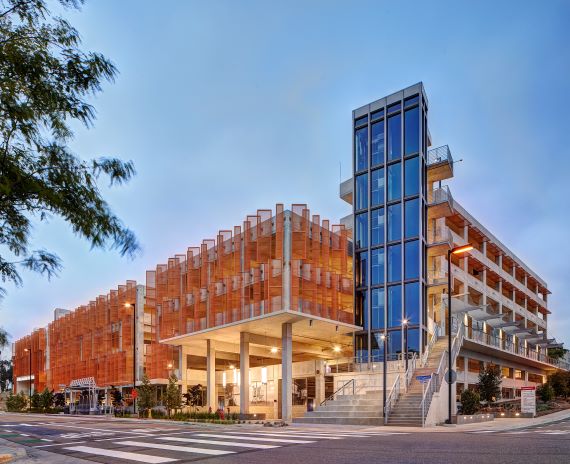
column 440, row 195
column 439, row 155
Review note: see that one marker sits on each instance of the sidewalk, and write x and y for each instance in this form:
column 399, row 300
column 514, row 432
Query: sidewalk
column 19, row 454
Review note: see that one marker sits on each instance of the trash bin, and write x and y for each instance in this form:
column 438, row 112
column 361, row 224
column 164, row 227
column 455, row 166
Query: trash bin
column 310, row 404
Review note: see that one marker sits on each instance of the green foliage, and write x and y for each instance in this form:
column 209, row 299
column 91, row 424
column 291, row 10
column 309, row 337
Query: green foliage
column 6, row 375
column 545, row 392
column 560, row 383
column 173, row 398
column 36, row 401
column 46, row 400
column 194, row 396
column 557, row 353
column 489, row 384
column 470, row 402
column 146, row 392
column 215, row 417
column 17, row 403
column 3, row 339
column 59, row 400
column 45, row 82
column 116, row 398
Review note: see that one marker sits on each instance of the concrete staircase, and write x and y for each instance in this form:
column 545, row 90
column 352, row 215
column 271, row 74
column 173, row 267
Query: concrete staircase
column 365, row 409
column 407, row 410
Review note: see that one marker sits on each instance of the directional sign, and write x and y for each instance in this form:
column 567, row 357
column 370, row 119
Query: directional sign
column 423, row 378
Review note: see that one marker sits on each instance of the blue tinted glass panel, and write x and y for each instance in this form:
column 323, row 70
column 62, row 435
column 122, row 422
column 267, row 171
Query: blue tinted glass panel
column 377, row 115
column 362, row 309
column 412, row 260
column 394, row 181
column 377, row 226
column 412, row 131
column 412, row 101
column 394, row 137
column 361, row 121
column 377, row 187
column 394, row 222
column 412, row 176
column 361, row 197
column 412, row 302
column 361, row 224
column 377, row 148
column 362, row 269
column 377, row 347
column 361, row 148
column 412, row 218
column 378, row 308
column 394, row 107
column 413, row 341
column 394, row 263
column 394, row 305
column 377, row 263
column 361, row 348
column 394, row 344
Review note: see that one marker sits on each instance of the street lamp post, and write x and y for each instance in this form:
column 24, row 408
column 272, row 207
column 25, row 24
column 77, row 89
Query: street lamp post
column 133, row 305
column 29, row 350
column 405, row 326
column 454, row 251
column 384, row 338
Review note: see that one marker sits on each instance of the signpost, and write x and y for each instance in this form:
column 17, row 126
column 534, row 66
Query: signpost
column 528, row 400
column 423, row 379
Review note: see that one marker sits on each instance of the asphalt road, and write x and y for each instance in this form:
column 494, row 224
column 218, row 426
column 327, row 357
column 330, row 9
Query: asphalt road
column 128, row 441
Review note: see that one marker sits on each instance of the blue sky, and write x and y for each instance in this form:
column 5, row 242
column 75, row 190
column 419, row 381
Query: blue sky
column 226, row 107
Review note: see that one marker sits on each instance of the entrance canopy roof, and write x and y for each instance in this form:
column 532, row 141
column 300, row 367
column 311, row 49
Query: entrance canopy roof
column 313, row 336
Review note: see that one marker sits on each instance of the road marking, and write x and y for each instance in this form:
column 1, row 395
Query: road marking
column 45, row 439
column 187, row 449
column 296, row 435
column 242, row 437
column 121, row 454
column 221, row 443
column 482, row 431
column 60, row 444
column 24, row 434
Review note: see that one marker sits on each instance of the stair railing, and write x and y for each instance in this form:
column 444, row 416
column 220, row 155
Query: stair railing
column 411, row 369
column 429, row 346
column 348, row 385
column 391, row 399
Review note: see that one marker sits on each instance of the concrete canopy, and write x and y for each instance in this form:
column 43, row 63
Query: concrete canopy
column 313, row 336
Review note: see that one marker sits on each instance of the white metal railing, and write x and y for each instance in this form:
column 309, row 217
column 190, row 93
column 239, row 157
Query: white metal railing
column 392, row 398
column 440, row 155
column 411, row 369
column 430, row 344
column 346, row 386
column 440, row 195
column 439, row 235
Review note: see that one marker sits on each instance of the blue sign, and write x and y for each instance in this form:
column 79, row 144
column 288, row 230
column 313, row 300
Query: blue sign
column 423, row 378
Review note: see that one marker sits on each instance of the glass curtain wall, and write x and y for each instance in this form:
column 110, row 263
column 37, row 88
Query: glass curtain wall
column 390, row 210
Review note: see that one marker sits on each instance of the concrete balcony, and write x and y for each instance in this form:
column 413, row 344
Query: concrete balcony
column 439, row 241
column 346, row 190
column 347, row 221
column 440, row 203
column 439, row 164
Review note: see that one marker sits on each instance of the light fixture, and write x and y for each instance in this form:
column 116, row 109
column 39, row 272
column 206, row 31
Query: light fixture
column 264, row 375
column 232, row 366
column 169, row 365
column 127, row 305
column 235, row 375
column 273, row 349
column 462, row 249
column 405, row 322
column 336, row 349
column 224, row 380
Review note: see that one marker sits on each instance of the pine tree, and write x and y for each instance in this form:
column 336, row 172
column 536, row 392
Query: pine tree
column 489, row 385
column 173, row 394
column 146, row 399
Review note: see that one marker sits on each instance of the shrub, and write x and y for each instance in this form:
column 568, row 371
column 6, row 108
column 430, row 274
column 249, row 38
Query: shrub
column 489, row 385
column 545, row 392
column 470, row 401
column 559, row 382
column 16, row 403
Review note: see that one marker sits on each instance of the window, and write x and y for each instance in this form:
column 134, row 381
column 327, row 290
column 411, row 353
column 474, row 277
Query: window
column 362, row 347
column 394, row 137
column 377, row 263
column 361, row 230
column 377, row 226
column 361, row 148
column 394, row 263
column 377, row 115
column 412, row 131
column 412, row 260
column 394, row 222
column 412, row 218
column 411, row 101
column 362, row 309
column 394, row 181
column 412, row 302
column 412, row 176
column 377, row 148
column 361, row 269
column 413, row 341
column 361, row 121
column 377, row 187
column 394, row 344
column 361, row 197
column 394, row 107
column 377, row 347
column 378, row 308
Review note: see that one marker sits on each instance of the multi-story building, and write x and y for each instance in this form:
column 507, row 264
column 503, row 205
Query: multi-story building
column 287, row 312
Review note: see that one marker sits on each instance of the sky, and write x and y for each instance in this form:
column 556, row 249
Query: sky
column 227, row 107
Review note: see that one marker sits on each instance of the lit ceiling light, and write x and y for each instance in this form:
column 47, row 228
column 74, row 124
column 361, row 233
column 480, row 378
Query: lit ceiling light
column 273, row 349
column 336, row 349
column 462, row 249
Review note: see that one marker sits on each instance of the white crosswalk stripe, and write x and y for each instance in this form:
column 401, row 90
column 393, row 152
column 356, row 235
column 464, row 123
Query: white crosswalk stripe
column 121, row 454
column 185, row 449
column 219, row 443
column 242, row 437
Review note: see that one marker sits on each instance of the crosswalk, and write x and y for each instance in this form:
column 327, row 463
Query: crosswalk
column 193, row 445
column 533, row 431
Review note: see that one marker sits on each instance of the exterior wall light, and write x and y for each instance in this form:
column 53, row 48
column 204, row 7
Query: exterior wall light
column 273, row 349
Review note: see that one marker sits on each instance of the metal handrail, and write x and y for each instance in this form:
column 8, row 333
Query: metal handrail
column 411, row 369
column 439, row 155
column 440, row 195
column 342, row 387
column 429, row 346
column 391, row 399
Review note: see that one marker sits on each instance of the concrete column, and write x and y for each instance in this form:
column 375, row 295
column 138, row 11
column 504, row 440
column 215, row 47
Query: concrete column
column 319, row 382
column 211, row 374
column 286, row 371
column 244, row 373
column 184, row 368
column 465, row 372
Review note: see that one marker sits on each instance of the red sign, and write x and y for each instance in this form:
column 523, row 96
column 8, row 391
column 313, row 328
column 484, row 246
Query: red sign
column 134, row 393
column 528, row 388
